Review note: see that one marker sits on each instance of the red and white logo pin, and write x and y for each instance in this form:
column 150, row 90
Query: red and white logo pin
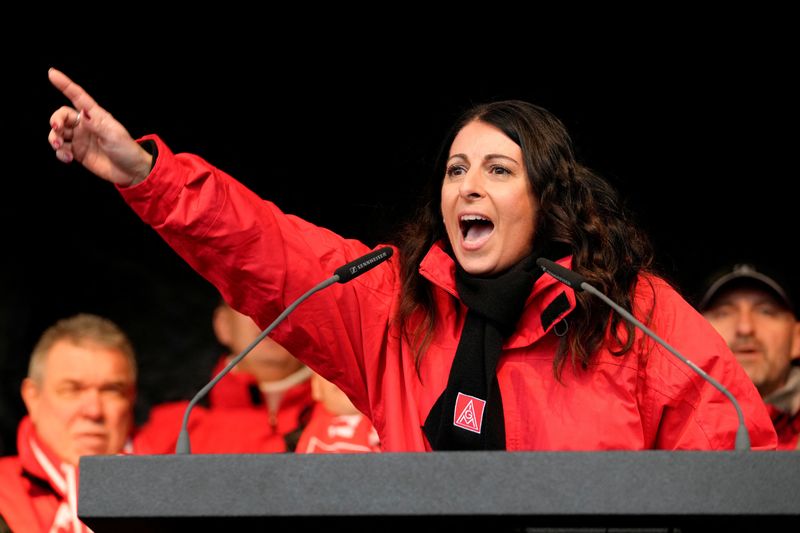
column 469, row 412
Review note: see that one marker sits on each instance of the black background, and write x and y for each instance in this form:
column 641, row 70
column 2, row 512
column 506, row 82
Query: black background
column 696, row 128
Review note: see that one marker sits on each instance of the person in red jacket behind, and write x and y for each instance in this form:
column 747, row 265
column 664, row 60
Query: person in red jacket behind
column 756, row 316
column 336, row 426
column 269, row 378
column 79, row 394
column 461, row 342
column 261, row 405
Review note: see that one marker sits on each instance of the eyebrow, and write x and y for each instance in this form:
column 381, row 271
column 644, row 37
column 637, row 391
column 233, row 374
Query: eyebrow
column 489, row 157
column 762, row 299
column 80, row 383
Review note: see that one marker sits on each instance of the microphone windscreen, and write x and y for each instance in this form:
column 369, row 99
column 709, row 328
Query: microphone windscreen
column 366, row 262
column 566, row 276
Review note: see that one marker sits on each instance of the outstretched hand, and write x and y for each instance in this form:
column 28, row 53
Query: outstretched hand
column 87, row 133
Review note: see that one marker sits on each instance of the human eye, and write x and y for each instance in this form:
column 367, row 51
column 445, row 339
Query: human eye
column 453, row 171
column 115, row 390
column 499, row 170
column 68, row 390
column 719, row 313
column 768, row 310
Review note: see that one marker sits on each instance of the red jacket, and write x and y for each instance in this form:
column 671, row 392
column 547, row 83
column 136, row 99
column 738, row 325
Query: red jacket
column 330, row 433
column 261, row 260
column 38, row 493
column 233, row 423
column 787, row 427
column 286, row 411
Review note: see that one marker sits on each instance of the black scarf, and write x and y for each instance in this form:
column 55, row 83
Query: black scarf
column 469, row 413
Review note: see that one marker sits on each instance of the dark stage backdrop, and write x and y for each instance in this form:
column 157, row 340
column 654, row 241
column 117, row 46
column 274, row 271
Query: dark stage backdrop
column 697, row 141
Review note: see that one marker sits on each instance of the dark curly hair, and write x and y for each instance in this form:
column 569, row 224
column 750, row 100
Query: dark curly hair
column 579, row 214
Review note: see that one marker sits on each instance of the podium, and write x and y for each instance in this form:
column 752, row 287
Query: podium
column 443, row 491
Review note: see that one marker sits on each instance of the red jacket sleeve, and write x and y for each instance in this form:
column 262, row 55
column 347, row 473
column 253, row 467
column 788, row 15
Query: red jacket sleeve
column 687, row 411
column 261, row 260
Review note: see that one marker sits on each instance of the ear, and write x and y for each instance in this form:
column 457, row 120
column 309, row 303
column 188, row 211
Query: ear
column 222, row 324
column 30, row 395
column 796, row 341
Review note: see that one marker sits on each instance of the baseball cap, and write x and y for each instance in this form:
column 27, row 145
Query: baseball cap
column 744, row 274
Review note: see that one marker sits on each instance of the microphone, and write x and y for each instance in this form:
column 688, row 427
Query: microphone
column 578, row 283
column 366, row 262
column 343, row 274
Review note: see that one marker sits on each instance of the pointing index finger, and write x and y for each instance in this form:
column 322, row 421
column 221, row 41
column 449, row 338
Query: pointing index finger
column 80, row 99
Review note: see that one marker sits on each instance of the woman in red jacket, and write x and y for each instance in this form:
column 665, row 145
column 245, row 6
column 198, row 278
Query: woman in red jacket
column 461, row 343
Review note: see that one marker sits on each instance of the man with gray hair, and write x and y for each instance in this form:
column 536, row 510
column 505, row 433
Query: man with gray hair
column 79, row 394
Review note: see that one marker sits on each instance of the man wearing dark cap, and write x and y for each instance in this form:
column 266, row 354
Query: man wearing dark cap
column 756, row 316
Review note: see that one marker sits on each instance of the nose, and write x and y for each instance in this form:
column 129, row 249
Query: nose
column 472, row 187
column 744, row 324
column 91, row 404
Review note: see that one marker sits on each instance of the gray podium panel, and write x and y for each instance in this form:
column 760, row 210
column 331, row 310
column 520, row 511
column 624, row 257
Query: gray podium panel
column 475, row 491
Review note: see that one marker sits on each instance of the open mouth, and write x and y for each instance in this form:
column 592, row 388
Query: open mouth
column 475, row 228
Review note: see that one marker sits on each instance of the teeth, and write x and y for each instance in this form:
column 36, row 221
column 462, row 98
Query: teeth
column 467, row 218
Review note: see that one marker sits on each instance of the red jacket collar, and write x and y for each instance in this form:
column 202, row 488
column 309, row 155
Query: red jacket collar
column 240, row 389
column 439, row 268
column 38, row 459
